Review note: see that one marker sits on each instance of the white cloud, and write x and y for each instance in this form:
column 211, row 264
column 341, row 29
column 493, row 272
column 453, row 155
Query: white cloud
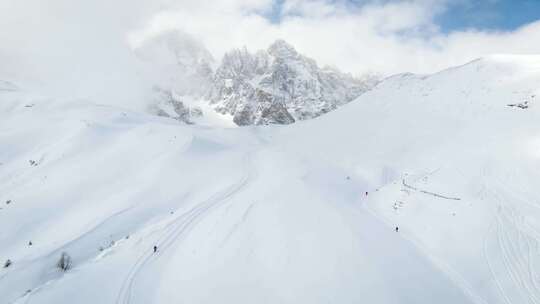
column 381, row 36
column 85, row 43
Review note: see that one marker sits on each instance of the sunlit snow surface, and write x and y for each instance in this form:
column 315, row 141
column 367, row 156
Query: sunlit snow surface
column 280, row 214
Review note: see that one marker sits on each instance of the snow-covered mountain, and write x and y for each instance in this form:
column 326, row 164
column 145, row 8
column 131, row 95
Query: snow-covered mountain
column 274, row 86
column 180, row 69
column 279, row 86
column 300, row 214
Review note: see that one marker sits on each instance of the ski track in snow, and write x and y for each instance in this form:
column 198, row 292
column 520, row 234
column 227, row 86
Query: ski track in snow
column 452, row 274
column 28, row 294
column 429, row 192
column 518, row 244
column 178, row 228
column 458, row 117
column 517, row 259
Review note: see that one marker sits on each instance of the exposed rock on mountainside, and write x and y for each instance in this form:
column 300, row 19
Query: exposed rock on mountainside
column 279, row 86
column 273, row 86
column 167, row 104
column 264, row 111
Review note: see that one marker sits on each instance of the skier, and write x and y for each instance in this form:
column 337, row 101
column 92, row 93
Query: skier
column 366, row 193
column 397, row 228
column 155, row 248
column 30, row 243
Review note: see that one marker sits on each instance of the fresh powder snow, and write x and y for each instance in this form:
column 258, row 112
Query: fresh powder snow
column 422, row 190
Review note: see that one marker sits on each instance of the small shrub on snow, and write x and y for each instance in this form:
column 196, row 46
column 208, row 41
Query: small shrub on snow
column 65, row 262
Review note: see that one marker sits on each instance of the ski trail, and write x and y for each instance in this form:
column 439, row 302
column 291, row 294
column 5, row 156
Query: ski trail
column 518, row 258
column 429, row 193
column 178, row 228
column 491, row 268
column 440, row 264
column 54, row 254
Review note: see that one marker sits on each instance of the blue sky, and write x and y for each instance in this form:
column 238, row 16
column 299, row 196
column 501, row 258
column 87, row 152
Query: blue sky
column 490, row 15
column 388, row 37
column 502, row 15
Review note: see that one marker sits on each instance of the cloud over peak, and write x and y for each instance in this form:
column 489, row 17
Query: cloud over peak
column 92, row 41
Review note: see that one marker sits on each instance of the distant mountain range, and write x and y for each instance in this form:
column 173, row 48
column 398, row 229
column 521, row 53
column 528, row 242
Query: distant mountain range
column 273, row 86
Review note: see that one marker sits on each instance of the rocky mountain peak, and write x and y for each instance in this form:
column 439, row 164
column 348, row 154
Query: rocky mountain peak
column 276, row 85
column 280, row 48
column 279, row 86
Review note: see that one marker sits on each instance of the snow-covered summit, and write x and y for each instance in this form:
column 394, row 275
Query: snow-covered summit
column 179, row 68
column 281, row 49
column 279, row 85
column 273, row 86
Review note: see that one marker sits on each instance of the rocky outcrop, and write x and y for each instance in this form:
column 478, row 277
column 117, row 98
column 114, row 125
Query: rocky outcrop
column 264, row 112
column 168, row 104
column 273, row 86
column 279, row 86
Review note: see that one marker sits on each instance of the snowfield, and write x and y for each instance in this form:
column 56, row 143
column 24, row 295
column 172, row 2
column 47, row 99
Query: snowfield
column 280, row 214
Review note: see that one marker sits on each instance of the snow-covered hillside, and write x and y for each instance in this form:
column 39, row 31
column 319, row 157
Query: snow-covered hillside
column 280, row 214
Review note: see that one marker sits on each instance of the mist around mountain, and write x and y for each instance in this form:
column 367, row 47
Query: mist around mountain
column 279, row 86
column 273, row 86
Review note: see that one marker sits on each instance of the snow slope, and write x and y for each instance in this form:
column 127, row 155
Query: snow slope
column 279, row 214
column 177, row 62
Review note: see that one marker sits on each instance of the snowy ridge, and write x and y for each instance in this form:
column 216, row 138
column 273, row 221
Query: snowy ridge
column 273, row 86
column 299, row 214
column 279, row 86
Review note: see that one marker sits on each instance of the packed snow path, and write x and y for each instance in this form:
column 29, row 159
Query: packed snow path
column 429, row 192
column 174, row 231
column 516, row 264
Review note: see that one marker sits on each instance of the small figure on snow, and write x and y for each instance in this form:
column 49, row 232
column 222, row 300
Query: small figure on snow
column 7, row 263
column 155, row 248
column 397, row 229
column 366, row 193
column 30, row 243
